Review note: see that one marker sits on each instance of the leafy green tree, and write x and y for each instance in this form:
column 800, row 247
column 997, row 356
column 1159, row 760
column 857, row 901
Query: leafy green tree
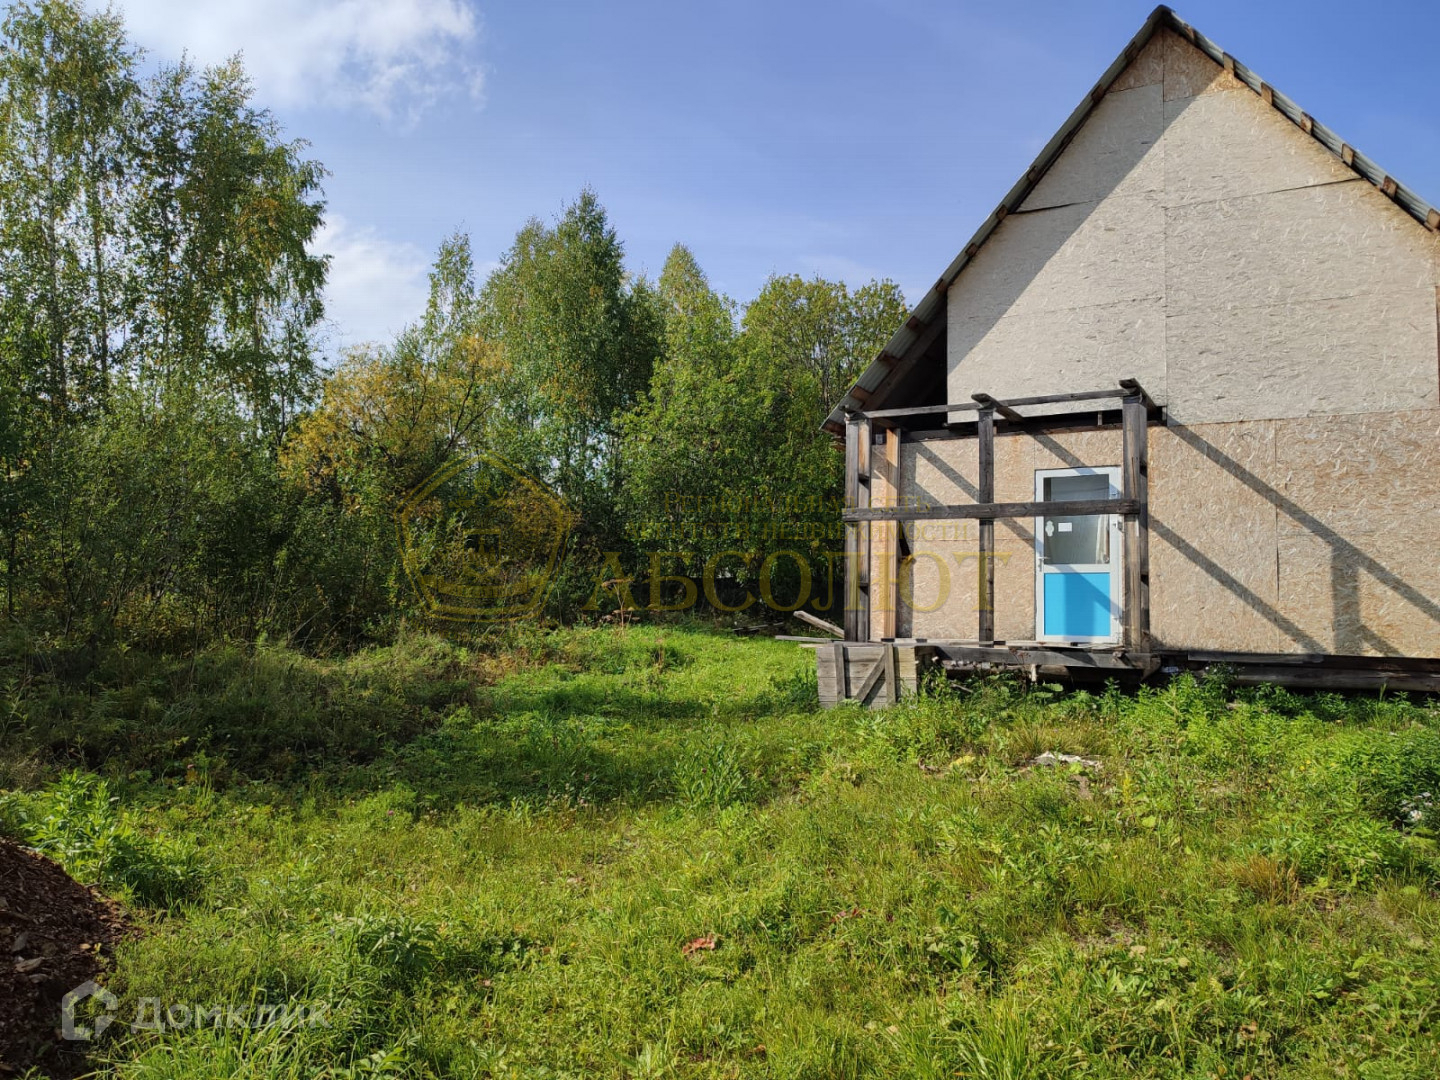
column 725, row 455
column 228, row 290
column 167, row 465
column 156, row 322
column 581, row 338
column 155, row 526
column 825, row 328
column 67, row 87
column 390, row 416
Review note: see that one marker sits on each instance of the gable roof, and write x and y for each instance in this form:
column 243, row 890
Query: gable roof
column 919, row 328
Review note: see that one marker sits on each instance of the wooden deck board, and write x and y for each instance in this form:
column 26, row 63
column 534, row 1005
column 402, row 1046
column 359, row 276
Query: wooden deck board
column 865, row 667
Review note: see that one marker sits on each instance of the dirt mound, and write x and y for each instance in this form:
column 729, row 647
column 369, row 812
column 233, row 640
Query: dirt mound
column 54, row 935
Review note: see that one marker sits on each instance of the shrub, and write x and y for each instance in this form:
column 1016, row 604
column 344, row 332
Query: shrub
column 1347, row 848
column 77, row 822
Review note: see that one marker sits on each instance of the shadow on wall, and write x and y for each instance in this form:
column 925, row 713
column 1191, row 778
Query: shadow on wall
column 935, row 459
column 1346, row 564
column 1077, row 272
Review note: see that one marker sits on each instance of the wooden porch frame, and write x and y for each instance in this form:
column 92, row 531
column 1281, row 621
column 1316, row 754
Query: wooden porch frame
column 861, row 513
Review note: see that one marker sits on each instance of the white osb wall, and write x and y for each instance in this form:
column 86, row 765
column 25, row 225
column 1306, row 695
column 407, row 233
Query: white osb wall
column 1192, row 237
column 1299, row 535
column 1285, row 313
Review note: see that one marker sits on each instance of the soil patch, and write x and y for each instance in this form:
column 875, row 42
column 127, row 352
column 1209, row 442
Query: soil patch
column 54, row 935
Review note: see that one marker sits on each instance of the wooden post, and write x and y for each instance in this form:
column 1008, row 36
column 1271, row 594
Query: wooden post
column 851, row 601
column 1136, row 472
column 986, row 494
column 866, row 460
column 885, row 492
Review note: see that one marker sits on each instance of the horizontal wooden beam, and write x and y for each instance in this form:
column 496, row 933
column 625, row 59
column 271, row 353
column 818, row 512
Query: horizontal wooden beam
column 1000, row 654
column 1043, row 425
column 1398, row 664
column 989, row 511
column 988, row 402
column 1013, row 403
column 921, row 410
column 1312, row 678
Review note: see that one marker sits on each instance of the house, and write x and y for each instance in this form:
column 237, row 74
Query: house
column 1203, row 314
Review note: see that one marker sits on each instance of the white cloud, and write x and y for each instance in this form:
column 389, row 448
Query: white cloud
column 376, row 285
column 392, row 57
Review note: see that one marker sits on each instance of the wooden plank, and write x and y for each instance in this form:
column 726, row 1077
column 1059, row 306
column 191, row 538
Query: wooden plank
column 842, row 673
column 985, row 493
column 867, row 684
column 825, row 677
column 1142, row 436
column 1040, row 425
column 852, row 531
column 1400, row 664
column 1137, row 526
column 972, row 406
column 988, row 402
column 819, row 623
column 891, row 685
column 885, row 491
column 1306, row 678
column 982, row 511
column 1133, row 388
column 862, row 621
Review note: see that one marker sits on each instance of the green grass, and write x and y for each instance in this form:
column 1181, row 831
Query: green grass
column 489, row 860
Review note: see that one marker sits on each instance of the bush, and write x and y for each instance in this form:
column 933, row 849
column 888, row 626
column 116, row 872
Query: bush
column 77, row 822
column 1348, row 849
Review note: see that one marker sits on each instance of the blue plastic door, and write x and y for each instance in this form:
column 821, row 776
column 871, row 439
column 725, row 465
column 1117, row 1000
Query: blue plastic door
column 1077, row 559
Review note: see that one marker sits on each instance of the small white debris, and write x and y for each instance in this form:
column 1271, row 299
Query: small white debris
column 1418, row 810
column 1049, row 757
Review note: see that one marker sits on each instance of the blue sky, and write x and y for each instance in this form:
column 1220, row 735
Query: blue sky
column 851, row 139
